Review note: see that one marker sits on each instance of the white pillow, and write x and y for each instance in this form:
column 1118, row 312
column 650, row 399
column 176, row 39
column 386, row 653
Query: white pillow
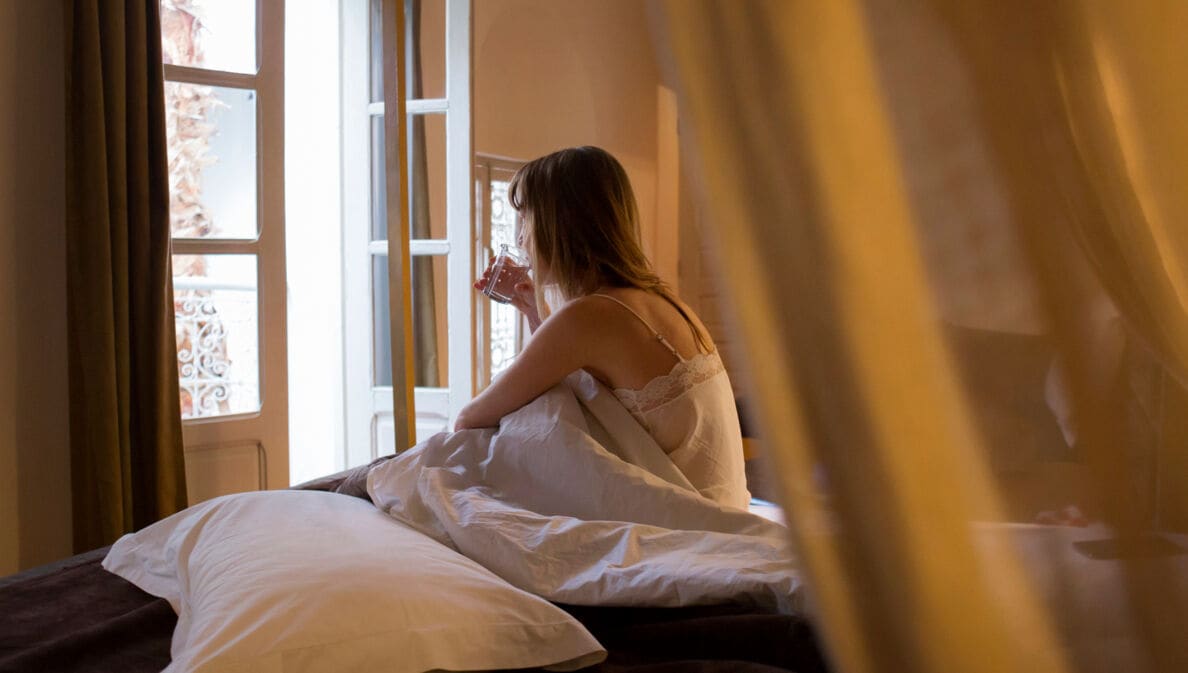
column 309, row 581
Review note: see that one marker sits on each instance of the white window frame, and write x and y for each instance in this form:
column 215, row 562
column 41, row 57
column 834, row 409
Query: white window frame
column 485, row 168
column 247, row 451
column 370, row 429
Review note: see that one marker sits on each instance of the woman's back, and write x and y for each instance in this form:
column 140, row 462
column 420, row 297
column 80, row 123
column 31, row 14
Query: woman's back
column 642, row 336
column 678, row 392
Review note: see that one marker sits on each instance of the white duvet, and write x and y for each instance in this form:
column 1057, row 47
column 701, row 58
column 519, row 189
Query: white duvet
column 572, row 500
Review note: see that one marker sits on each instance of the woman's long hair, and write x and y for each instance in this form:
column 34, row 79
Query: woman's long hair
column 584, row 227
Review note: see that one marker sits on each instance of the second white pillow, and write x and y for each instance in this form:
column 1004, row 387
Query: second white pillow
column 306, row 581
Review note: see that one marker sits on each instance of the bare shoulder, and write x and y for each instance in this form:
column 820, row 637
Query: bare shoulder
column 585, row 312
column 580, row 325
column 655, row 310
column 696, row 319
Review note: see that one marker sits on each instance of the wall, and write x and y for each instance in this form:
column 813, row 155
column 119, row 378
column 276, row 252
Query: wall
column 550, row 75
column 699, row 271
column 34, row 452
column 583, row 72
column 313, row 239
column 702, row 287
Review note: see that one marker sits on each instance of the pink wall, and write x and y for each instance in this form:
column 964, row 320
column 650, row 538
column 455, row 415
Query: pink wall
column 551, row 74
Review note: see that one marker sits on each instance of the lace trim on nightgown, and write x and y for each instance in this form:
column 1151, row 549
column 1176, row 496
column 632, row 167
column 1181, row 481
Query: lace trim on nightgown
column 667, row 387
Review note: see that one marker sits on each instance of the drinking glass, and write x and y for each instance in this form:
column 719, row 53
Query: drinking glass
column 508, row 269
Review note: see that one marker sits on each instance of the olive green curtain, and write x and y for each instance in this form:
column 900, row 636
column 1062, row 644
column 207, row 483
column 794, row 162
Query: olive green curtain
column 870, row 169
column 127, row 463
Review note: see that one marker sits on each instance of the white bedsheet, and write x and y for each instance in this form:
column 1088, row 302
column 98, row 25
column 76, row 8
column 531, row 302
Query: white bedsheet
column 571, row 499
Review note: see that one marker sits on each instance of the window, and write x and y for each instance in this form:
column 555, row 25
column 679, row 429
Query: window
column 441, row 238
column 226, row 101
column 501, row 329
column 223, row 65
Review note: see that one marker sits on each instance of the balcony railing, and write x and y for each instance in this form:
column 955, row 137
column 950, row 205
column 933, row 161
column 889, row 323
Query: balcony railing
column 217, row 347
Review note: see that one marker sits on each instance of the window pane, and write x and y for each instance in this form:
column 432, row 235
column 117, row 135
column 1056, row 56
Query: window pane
column 425, row 41
column 426, row 49
column 505, row 320
column 379, row 187
column 212, row 161
column 503, row 216
column 430, row 339
column 218, row 351
column 381, row 322
column 214, row 34
column 375, row 45
column 427, row 178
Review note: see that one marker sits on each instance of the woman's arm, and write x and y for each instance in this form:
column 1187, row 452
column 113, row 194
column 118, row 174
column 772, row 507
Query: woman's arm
column 523, row 297
column 563, row 344
column 525, row 302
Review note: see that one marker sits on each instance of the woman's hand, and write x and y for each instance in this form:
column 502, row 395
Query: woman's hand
column 523, row 295
column 464, row 422
column 524, row 300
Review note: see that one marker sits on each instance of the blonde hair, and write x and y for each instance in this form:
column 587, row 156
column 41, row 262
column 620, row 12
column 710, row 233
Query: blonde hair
column 584, row 227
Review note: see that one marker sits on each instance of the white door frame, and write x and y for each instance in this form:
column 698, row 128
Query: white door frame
column 238, row 452
column 371, row 426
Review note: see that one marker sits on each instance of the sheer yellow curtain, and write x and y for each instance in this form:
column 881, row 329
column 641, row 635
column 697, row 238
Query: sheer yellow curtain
column 930, row 224
column 1123, row 84
column 399, row 258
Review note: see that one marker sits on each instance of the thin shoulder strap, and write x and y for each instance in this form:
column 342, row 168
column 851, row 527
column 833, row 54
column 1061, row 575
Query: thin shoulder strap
column 659, row 336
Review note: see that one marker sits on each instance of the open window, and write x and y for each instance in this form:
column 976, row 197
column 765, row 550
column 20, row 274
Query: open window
column 441, row 216
column 500, row 328
column 224, row 105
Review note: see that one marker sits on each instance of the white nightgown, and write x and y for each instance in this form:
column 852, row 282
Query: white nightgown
column 690, row 412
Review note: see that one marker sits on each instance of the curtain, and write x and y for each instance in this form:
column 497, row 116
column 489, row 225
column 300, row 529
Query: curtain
column 127, row 464
column 424, row 295
column 948, row 237
column 399, row 272
column 1119, row 78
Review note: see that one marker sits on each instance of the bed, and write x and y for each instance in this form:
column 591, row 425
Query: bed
column 75, row 616
column 465, row 561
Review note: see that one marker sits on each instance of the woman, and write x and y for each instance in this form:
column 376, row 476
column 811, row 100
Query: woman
column 618, row 321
